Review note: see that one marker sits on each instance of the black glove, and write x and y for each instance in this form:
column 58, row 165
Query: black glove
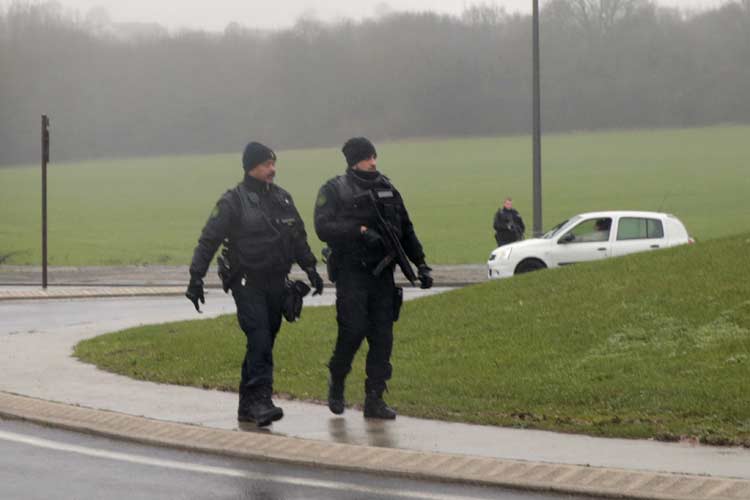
column 372, row 238
column 315, row 280
column 423, row 273
column 194, row 293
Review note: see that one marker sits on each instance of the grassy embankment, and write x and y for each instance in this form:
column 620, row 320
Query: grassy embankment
column 150, row 211
column 650, row 345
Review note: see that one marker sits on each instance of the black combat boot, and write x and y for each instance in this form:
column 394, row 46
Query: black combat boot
column 243, row 410
column 336, row 395
column 375, row 407
column 262, row 409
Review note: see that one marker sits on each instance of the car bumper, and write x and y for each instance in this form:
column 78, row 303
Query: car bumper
column 497, row 270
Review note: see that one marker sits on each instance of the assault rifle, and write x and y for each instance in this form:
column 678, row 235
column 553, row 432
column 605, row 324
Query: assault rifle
column 393, row 248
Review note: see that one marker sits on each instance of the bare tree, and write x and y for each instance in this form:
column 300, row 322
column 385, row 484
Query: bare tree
column 607, row 63
column 598, row 17
column 483, row 15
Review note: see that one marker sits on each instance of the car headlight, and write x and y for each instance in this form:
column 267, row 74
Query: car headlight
column 502, row 254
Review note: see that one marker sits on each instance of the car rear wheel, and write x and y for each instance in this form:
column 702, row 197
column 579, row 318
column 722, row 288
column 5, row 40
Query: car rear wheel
column 528, row 265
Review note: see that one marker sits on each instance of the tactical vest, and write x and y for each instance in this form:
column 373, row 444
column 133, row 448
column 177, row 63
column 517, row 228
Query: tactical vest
column 355, row 208
column 262, row 241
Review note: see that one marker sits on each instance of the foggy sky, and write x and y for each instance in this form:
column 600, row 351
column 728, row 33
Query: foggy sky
column 215, row 15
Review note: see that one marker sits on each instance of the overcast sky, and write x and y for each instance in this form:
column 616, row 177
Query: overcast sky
column 216, row 14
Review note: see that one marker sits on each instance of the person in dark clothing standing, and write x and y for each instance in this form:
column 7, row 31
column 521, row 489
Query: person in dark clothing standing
column 508, row 224
column 263, row 235
column 367, row 304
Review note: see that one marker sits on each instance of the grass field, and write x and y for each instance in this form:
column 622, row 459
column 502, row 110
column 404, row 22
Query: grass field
column 650, row 345
column 139, row 211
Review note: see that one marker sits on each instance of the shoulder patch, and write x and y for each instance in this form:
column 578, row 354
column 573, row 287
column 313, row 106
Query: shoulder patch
column 322, row 200
column 215, row 212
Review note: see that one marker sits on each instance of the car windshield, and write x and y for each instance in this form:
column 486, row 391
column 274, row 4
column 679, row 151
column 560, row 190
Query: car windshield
column 555, row 230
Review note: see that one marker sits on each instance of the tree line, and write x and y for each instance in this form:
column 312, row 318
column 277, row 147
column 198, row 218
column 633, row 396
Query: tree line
column 605, row 64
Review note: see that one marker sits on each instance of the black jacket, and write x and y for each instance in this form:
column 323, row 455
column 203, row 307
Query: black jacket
column 509, row 226
column 260, row 225
column 342, row 208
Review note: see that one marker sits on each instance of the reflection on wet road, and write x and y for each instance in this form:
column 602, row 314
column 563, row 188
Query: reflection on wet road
column 42, row 463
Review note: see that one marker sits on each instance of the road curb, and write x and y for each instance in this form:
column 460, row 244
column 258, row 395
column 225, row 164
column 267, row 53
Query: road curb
column 104, row 291
column 444, row 467
column 90, row 292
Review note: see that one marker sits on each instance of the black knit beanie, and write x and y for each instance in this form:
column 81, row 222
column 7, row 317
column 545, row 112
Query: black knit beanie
column 357, row 149
column 256, row 153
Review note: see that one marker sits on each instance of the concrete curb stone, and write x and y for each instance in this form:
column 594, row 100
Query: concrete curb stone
column 78, row 292
column 260, row 444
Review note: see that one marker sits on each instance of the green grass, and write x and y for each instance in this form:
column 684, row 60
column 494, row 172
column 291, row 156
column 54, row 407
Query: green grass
column 140, row 211
column 650, row 345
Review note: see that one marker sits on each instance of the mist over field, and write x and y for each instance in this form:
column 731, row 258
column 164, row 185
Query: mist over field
column 141, row 91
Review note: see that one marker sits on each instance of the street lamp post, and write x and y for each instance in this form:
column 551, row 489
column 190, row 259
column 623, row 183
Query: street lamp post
column 537, row 133
column 45, row 160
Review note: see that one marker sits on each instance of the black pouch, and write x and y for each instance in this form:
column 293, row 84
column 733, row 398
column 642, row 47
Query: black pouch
column 330, row 262
column 294, row 292
column 398, row 299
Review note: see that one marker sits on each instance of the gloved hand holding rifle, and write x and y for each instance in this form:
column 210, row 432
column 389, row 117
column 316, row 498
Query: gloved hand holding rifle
column 393, row 248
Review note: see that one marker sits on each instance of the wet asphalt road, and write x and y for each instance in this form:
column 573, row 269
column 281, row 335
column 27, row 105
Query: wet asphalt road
column 42, row 463
column 37, row 337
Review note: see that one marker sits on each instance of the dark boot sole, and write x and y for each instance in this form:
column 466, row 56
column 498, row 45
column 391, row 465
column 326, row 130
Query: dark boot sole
column 378, row 410
column 336, row 407
column 269, row 418
column 380, row 417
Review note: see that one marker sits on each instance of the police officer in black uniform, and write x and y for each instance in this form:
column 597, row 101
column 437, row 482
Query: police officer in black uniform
column 366, row 304
column 508, row 224
column 263, row 235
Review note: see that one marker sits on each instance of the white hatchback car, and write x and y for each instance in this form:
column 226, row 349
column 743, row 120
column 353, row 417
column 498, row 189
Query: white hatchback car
column 589, row 236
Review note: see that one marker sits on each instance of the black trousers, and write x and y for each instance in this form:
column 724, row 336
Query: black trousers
column 259, row 302
column 364, row 310
column 505, row 237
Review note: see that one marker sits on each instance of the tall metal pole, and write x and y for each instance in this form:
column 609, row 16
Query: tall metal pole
column 537, row 134
column 45, row 159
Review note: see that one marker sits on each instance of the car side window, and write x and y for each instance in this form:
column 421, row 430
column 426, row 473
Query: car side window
column 638, row 228
column 654, row 228
column 588, row 231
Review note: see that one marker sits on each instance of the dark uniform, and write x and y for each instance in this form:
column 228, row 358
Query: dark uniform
column 366, row 305
column 263, row 234
column 509, row 226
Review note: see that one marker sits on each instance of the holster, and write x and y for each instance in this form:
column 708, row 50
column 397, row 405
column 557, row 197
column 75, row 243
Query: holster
column 398, row 300
column 227, row 273
column 330, row 262
column 294, row 292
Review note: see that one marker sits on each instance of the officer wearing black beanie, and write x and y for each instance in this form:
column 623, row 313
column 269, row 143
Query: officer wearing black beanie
column 256, row 153
column 263, row 235
column 367, row 299
column 357, row 149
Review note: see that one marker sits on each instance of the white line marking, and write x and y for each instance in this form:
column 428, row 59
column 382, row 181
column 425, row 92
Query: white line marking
column 220, row 471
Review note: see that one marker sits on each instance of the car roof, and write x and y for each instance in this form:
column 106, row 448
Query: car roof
column 623, row 213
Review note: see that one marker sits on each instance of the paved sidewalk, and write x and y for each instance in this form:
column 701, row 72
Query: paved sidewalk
column 83, row 292
column 24, row 282
column 154, row 275
column 36, row 338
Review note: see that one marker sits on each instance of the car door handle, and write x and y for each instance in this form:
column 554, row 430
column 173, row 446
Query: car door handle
column 654, row 246
column 602, row 249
